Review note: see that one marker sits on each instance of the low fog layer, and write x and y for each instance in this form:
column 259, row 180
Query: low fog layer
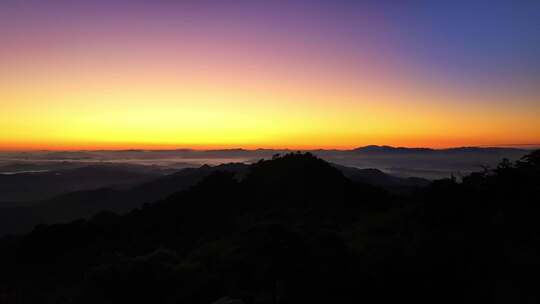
column 403, row 162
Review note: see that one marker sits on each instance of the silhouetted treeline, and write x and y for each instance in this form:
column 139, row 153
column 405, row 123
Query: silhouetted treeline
column 295, row 230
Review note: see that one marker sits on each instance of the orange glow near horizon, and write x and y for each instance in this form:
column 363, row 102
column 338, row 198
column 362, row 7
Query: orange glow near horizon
column 118, row 84
column 128, row 115
column 250, row 111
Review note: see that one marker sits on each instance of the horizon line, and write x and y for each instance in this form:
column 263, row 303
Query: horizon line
column 15, row 150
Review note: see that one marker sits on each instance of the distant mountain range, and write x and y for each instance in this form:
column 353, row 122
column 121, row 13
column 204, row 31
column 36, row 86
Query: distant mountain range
column 91, row 154
column 399, row 161
column 373, row 149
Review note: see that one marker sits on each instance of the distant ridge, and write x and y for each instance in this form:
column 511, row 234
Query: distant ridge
column 84, row 154
column 390, row 149
column 374, row 149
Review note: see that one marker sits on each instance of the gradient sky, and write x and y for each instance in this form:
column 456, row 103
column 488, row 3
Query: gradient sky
column 298, row 74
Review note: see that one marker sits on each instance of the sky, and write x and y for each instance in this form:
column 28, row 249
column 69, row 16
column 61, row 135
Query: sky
column 268, row 74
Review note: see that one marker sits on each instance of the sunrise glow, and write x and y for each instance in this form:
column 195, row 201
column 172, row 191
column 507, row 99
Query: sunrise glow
column 250, row 75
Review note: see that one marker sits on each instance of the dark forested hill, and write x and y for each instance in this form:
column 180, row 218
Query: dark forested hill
column 20, row 218
column 294, row 229
column 17, row 217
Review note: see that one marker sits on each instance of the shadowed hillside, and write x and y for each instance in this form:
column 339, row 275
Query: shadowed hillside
column 18, row 217
column 33, row 186
column 295, row 229
column 21, row 218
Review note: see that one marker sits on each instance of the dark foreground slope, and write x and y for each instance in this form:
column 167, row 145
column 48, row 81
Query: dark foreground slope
column 295, row 230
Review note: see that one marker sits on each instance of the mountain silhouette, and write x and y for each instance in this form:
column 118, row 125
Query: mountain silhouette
column 295, row 229
column 20, row 218
column 17, row 218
